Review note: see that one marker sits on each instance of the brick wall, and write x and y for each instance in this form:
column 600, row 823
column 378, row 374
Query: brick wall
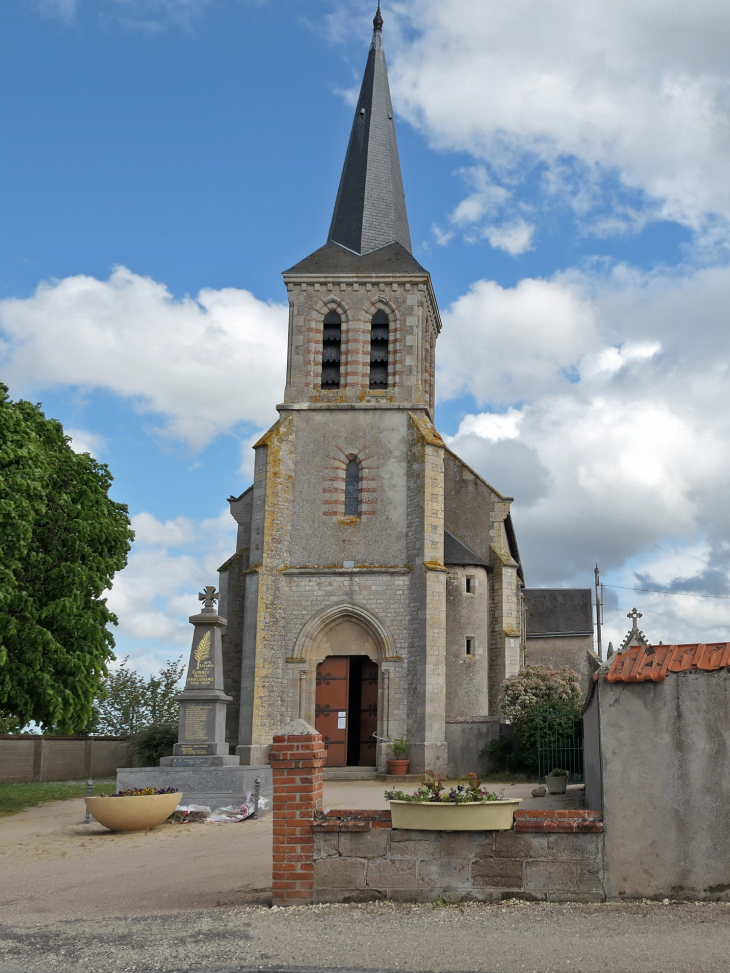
column 297, row 758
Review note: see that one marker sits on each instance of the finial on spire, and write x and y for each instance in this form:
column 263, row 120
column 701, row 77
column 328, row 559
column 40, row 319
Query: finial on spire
column 378, row 19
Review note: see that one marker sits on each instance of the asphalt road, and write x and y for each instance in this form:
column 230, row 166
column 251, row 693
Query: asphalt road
column 638, row 937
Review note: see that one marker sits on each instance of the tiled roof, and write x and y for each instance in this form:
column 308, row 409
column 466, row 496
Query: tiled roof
column 651, row 663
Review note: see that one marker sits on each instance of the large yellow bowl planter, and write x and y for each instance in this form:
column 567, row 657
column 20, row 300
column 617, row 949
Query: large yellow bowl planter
column 448, row 816
column 139, row 813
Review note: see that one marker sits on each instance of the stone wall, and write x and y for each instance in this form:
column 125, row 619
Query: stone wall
column 465, row 737
column 358, row 857
column 26, row 759
column 475, row 513
column 656, row 761
column 467, row 616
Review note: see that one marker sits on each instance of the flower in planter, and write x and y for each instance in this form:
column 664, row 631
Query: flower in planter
column 143, row 792
column 433, row 791
column 558, row 773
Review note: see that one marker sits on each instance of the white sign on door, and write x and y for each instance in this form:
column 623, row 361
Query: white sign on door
column 341, row 719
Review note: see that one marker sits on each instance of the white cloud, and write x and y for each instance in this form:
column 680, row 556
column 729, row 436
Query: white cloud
column 63, row 9
column 635, row 92
column 83, row 441
column 515, row 238
column 204, row 364
column 520, row 340
column 616, row 441
column 170, row 562
column 486, row 198
column 491, row 426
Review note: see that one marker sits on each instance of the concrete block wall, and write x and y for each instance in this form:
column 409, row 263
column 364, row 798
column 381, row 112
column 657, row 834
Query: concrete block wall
column 356, row 856
column 359, row 858
column 26, row 759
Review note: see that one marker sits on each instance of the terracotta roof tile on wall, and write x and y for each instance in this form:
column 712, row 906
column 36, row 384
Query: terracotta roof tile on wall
column 651, row 663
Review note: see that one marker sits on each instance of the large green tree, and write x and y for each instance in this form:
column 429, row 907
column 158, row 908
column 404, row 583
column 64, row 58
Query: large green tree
column 61, row 541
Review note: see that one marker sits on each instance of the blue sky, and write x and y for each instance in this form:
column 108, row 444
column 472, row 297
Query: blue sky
column 565, row 172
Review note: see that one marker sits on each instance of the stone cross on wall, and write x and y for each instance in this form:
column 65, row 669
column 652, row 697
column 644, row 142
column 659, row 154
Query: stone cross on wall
column 635, row 636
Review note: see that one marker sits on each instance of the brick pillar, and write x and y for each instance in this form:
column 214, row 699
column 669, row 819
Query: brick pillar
column 297, row 758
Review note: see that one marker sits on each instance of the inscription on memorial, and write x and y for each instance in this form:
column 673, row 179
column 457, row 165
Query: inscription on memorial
column 203, row 673
column 196, row 721
column 194, row 749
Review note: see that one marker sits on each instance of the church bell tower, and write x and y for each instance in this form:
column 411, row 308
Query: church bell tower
column 336, row 597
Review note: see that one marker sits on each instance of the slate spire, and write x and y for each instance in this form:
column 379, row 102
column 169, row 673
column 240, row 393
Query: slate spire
column 370, row 211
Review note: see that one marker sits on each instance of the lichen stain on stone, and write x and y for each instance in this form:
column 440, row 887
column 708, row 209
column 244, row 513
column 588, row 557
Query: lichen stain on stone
column 279, row 493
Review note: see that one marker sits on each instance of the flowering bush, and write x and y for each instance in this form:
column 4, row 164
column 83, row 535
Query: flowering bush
column 538, row 688
column 433, row 791
column 142, row 792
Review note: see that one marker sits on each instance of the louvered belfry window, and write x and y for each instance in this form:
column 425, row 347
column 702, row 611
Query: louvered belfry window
column 379, row 327
column 352, row 489
column 331, row 340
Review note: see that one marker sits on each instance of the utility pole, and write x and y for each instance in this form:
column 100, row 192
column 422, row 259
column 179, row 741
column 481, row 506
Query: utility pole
column 599, row 610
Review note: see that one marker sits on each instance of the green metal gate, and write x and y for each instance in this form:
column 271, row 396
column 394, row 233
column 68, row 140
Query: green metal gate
column 560, row 745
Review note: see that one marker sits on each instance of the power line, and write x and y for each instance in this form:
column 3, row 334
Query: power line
column 656, row 591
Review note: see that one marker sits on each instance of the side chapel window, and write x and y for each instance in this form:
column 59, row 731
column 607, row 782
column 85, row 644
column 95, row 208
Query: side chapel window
column 352, row 489
column 379, row 350
column 331, row 339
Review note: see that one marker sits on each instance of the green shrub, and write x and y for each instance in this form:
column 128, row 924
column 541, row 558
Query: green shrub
column 498, row 751
column 537, row 689
column 155, row 742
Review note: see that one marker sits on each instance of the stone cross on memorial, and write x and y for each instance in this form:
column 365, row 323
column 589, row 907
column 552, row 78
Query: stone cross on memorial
column 201, row 740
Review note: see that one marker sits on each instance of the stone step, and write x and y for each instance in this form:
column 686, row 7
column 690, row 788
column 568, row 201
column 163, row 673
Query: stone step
column 351, row 773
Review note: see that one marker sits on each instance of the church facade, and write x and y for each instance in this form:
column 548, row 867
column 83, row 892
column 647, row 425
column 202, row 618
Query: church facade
column 375, row 591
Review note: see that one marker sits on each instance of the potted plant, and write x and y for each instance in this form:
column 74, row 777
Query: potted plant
column 134, row 810
column 557, row 781
column 398, row 765
column 464, row 806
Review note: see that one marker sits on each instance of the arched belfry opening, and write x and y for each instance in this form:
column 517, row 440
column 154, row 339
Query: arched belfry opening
column 379, row 338
column 331, row 345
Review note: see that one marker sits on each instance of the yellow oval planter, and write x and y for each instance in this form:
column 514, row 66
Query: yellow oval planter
column 133, row 813
column 476, row 816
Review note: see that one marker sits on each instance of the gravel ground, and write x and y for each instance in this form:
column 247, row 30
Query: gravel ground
column 639, row 937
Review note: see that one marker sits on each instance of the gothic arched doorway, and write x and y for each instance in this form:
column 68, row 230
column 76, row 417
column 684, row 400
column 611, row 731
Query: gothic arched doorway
column 355, row 648
column 346, row 709
column 346, row 694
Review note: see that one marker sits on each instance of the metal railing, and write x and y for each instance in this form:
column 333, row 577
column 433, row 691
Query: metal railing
column 560, row 745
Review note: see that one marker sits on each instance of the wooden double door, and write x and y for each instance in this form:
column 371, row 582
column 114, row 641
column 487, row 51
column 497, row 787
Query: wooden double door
column 346, row 710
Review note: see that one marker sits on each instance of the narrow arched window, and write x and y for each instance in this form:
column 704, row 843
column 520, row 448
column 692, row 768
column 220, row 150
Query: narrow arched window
column 379, row 327
column 331, row 339
column 352, row 489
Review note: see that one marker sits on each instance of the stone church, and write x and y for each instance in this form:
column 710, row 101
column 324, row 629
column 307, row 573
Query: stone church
column 376, row 586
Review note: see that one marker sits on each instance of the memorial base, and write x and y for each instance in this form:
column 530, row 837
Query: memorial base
column 214, row 760
column 211, row 786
